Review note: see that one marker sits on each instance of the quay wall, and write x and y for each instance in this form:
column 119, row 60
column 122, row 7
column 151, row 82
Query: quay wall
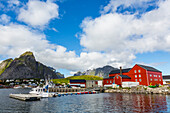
column 140, row 90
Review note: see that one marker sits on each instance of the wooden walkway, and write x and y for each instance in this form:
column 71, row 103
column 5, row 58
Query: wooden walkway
column 25, row 97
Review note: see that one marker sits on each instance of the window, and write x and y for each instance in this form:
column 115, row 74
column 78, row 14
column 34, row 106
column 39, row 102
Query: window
column 140, row 80
column 135, row 71
column 155, row 75
column 136, row 80
column 156, row 79
column 117, row 77
column 139, row 71
column 110, row 81
column 151, row 79
column 136, row 76
column 107, row 81
column 159, row 76
column 139, row 75
column 159, row 79
column 150, row 75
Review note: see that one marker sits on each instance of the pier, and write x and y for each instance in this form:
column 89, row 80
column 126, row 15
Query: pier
column 66, row 89
column 25, row 97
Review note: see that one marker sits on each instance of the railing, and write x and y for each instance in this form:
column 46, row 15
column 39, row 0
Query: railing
column 66, row 89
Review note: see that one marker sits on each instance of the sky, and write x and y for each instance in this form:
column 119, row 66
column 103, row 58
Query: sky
column 76, row 35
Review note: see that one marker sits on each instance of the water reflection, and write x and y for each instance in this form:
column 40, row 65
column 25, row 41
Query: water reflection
column 106, row 102
column 136, row 102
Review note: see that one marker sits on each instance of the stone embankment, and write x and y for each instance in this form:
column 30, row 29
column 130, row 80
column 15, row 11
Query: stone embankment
column 141, row 90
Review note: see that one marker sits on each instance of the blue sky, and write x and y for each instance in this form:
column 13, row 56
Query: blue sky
column 76, row 35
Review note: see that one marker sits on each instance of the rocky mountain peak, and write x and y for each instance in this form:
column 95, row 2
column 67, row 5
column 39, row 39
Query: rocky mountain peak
column 26, row 66
column 27, row 54
column 101, row 71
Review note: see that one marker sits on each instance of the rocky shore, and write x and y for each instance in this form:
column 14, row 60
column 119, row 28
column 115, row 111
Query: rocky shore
column 141, row 90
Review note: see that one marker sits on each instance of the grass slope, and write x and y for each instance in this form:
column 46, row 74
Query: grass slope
column 84, row 77
column 6, row 65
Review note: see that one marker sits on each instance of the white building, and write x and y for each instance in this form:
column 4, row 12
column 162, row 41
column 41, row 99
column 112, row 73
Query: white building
column 166, row 79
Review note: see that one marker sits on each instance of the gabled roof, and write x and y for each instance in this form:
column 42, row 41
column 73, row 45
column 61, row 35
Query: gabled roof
column 109, row 77
column 125, row 76
column 166, row 77
column 112, row 77
column 79, row 81
column 118, row 71
column 148, row 68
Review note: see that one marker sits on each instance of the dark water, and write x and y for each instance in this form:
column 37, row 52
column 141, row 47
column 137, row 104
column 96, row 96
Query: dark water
column 95, row 103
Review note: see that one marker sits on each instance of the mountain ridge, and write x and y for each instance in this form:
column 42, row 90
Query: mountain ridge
column 101, row 71
column 26, row 67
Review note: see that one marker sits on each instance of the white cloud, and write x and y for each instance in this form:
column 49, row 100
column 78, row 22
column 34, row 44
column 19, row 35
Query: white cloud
column 13, row 3
column 112, row 39
column 38, row 13
column 4, row 19
column 16, row 39
column 54, row 29
column 126, row 35
column 114, row 4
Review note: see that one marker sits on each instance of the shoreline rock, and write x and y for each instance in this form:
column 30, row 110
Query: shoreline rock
column 140, row 90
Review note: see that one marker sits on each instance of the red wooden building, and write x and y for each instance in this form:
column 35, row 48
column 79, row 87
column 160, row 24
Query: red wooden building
column 78, row 83
column 145, row 75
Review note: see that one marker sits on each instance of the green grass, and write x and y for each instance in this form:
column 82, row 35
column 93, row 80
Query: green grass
column 152, row 86
column 60, row 81
column 83, row 77
column 8, row 62
column 27, row 53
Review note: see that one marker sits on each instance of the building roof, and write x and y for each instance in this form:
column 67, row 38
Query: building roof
column 118, row 71
column 79, row 81
column 148, row 68
column 109, row 77
column 112, row 77
column 166, row 76
column 125, row 76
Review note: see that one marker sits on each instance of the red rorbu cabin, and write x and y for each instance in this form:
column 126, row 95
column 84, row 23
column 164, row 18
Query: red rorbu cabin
column 117, row 77
column 145, row 75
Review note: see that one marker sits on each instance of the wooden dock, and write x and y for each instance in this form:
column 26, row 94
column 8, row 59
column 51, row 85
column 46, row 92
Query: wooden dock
column 33, row 97
column 25, row 97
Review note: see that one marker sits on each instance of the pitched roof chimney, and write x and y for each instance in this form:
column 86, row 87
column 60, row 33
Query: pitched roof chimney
column 120, row 70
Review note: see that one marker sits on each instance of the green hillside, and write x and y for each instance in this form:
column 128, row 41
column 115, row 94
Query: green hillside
column 60, row 81
column 84, row 77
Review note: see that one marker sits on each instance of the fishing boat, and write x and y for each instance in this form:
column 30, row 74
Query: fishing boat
column 42, row 91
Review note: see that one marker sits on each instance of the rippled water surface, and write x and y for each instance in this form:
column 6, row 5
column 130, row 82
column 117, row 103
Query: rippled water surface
column 95, row 103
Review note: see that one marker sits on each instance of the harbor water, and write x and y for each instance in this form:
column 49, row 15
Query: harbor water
column 89, row 103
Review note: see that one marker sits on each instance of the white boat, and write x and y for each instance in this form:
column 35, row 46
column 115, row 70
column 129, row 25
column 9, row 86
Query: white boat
column 42, row 91
column 17, row 87
column 39, row 91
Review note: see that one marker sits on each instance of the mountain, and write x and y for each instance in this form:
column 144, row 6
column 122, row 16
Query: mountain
column 26, row 67
column 101, row 72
